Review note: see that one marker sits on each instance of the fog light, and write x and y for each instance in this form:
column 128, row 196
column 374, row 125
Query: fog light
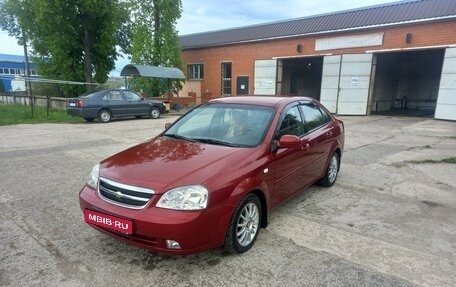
column 171, row 244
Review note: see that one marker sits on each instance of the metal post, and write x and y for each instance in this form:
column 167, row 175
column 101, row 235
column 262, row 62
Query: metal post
column 27, row 74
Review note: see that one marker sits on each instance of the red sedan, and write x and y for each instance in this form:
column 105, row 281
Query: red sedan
column 212, row 177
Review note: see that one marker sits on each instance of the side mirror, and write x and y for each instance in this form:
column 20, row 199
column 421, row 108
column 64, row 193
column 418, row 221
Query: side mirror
column 289, row 141
column 167, row 125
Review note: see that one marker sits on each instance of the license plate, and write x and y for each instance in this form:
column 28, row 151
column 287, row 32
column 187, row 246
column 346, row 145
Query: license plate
column 108, row 221
column 72, row 105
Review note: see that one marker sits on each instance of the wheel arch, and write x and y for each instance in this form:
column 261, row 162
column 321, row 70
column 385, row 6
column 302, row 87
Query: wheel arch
column 264, row 207
column 339, row 153
column 105, row 109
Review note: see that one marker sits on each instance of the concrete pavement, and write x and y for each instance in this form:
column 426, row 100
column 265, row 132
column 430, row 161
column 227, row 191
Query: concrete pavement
column 390, row 220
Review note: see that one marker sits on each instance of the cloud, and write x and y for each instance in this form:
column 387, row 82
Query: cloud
column 200, row 11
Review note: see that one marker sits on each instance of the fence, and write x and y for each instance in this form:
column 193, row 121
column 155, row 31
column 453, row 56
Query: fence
column 40, row 101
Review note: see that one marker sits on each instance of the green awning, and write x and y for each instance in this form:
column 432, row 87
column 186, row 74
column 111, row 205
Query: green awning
column 131, row 70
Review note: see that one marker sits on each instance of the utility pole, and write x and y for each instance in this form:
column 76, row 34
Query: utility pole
column 27, row 74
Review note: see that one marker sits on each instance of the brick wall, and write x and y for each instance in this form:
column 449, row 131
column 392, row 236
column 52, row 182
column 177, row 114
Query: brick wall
column 243, row 56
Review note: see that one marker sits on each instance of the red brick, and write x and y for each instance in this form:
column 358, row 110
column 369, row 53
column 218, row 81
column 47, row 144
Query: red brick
column 243, row 56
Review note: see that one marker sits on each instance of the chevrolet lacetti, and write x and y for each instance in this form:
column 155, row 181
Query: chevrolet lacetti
column 212, row 177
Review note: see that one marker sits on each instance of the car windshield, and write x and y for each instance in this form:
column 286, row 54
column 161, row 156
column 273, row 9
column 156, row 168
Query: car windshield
column 236, row 125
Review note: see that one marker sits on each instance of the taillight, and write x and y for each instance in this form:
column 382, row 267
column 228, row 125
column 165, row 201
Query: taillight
column 79, row 103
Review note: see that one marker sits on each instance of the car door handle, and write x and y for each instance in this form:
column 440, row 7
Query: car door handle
column 305, row 147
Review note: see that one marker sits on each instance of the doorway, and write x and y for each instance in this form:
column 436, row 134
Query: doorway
column 242, row 85
column 407, row 83
column 226, row 79
column 302, row 77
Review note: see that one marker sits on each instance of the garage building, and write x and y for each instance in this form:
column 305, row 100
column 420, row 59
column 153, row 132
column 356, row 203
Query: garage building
column 396, row 57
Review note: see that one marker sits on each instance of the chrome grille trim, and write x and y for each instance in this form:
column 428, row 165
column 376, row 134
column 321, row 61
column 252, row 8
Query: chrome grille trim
column 123, row 194
column 117, row 193
column 126, row 186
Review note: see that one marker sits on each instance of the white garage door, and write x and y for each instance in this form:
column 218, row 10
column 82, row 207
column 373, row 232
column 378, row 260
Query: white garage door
column 354, row 82
column 330, row 82
column 265, row 77
column 446, row 101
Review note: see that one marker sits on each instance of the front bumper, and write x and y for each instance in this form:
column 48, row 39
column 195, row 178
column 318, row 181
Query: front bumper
column 162, row 108
column 195, row 231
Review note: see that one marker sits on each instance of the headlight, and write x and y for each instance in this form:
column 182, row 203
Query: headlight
column 93, row 177
column 185, row 198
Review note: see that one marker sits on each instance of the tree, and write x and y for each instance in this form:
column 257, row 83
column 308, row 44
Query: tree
column 10, row 11
column 155, row 41
column 71, row 40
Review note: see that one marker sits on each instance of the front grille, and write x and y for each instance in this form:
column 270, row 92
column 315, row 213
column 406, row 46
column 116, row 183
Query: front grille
column 122, row 194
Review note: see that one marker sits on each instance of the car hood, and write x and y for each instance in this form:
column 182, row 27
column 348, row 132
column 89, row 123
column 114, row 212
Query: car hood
column 164, row 163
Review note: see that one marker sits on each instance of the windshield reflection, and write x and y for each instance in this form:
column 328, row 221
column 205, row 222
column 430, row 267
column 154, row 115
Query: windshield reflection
column 235, row 125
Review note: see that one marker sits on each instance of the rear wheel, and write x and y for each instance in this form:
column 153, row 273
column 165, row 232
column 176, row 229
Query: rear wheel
column 154, row 113
column 244, row 225
column 104, row 116
column 331, row 172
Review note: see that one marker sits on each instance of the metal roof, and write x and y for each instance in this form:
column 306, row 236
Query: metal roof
column 152, row 72
column 396, row 13
column 11, row 58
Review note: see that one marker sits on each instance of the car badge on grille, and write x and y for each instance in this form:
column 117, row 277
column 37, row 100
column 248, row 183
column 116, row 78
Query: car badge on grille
column 119, row 195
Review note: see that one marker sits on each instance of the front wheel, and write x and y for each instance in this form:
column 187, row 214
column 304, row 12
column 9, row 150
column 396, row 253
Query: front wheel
column 244, row 225
column 331, row 172
column 154, row 113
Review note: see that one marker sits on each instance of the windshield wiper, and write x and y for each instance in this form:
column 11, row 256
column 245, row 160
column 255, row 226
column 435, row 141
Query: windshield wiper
column 175, row 136
column 215, row 142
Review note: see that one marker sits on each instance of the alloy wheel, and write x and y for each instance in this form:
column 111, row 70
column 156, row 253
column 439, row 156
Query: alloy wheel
column 248, row 224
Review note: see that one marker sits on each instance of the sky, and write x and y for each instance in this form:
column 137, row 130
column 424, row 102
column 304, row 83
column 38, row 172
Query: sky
column 209, row 15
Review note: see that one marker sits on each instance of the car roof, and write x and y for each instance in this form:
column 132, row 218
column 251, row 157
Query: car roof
column 102, row 91
column 268, row 101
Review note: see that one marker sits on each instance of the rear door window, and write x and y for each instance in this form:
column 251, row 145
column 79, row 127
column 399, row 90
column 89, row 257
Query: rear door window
column 132, row 96
column 314, row 117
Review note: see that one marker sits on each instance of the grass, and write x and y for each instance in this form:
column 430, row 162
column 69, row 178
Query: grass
column 19, row 114
column 451, row 160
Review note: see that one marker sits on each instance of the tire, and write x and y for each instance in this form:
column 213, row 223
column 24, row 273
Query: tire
column 89, row 119
column 331, row 171
column 104, row 116
column 244, row 225
column 154, row 113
